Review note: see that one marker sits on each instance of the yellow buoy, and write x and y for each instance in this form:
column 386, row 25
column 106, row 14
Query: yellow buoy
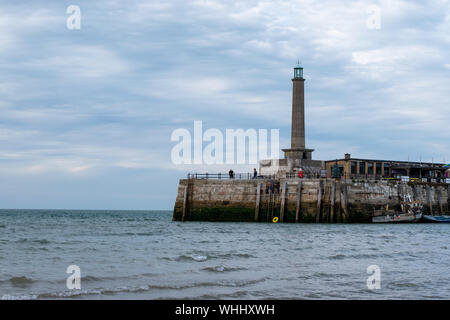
column 275, row 219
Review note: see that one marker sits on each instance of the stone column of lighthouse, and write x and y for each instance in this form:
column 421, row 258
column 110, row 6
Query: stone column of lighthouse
column 298, row 110
column 298, row 155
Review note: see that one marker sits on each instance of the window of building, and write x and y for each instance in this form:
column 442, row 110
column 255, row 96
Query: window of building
column 378, row 168
column 362, row 168
column 370, row 168
column 353, row 167
column 386, row 169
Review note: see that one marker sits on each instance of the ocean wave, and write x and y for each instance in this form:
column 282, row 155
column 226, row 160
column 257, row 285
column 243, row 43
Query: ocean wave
column 124, row 289
column 19, row 281
column 221, row 269
column 92, row 279
column 19, row 297
column 404, row 285
column 324, row 275
column 234, row 295
column 23, row 281
column 224, row 283
column 232, row 255
column 40, row 241
column 128, row 234
column 198, row 258
column 337, row 257
column 358, row 256
column 68, row 294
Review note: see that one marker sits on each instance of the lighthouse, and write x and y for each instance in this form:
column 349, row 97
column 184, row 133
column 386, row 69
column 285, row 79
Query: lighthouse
column 298, row 150
column 297, row 156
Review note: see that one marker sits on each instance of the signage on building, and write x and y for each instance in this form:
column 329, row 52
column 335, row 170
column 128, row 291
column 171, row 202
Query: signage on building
column 447, row 180
column 405, row 179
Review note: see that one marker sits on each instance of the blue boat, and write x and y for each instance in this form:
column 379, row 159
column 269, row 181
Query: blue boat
column 439, row 219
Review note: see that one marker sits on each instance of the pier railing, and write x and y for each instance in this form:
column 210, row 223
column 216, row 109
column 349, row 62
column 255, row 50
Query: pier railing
column 222, row 176
column 292, row 175
column 306, row 175
column 243, row 176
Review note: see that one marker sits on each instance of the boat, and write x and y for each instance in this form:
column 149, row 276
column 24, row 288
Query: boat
column 438, row 219
column 397, row 218
column 411, row 212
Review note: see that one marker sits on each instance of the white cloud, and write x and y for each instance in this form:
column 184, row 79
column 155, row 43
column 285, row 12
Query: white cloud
column 83, row 62
column 395, row 55
column 15, row 24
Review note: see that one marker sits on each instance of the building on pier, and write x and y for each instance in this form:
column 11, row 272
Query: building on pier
column 356, row 168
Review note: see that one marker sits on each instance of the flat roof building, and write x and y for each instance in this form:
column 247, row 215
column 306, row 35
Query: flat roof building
column 376, row 169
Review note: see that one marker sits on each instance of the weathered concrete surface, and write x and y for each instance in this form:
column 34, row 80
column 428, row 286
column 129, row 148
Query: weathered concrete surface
column 340, row 200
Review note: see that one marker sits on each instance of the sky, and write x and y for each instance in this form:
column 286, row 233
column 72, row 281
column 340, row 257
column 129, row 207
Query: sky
column 87, row 114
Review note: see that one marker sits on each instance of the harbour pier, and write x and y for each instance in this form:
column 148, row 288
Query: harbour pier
column 298, row 188
column 309, row 200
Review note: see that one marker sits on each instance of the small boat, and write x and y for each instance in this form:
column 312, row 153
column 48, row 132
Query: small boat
column 411, row 212
column 397, row 218
column 439, row 219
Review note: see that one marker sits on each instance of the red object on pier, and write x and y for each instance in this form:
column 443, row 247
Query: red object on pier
column 300, row 173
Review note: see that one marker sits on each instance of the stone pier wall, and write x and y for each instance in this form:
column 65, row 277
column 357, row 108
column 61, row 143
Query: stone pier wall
column 320, row 200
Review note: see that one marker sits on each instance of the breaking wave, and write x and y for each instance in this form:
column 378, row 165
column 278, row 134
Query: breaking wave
column 18, row 281
column 221, row 269
column 126, row 289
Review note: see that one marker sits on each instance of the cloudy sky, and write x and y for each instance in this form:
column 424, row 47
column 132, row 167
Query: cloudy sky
column 87, row 115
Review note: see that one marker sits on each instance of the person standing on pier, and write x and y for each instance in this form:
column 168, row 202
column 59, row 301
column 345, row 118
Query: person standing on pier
column 255, row 173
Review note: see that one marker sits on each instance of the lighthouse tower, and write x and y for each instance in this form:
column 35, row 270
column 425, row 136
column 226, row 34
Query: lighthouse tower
column 298, row 156
column 298, row 151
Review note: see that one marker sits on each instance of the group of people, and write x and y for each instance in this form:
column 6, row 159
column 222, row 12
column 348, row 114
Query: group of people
column 272, row 187
column 231, row 173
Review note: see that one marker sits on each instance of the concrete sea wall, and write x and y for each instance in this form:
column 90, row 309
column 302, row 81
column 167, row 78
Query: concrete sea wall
column 301, row 200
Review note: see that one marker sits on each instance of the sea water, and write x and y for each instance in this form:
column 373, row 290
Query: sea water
column 144, row 255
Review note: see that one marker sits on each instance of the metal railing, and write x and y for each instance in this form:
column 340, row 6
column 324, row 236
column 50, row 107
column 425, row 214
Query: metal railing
column 244, row 176
column 306, row 175
column 221, row 176
column 397, row 178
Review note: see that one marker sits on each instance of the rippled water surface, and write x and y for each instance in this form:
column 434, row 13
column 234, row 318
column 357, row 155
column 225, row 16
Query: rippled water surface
column 144, row 255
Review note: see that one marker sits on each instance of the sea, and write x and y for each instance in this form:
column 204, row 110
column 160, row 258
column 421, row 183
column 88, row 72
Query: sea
column 145, row 255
